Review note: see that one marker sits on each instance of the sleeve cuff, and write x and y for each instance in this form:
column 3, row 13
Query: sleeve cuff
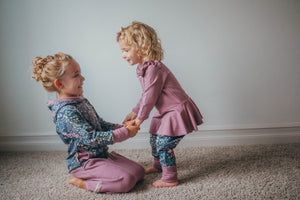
column 120, row 134
column 136, row 110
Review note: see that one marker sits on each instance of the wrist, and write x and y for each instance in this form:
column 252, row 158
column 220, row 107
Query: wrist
column 138, row 122
column 120, row 134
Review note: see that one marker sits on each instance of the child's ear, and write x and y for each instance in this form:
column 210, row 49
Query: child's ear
column 58, row 84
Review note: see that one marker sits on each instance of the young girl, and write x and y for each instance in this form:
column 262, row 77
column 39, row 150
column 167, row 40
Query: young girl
column 86, row 134
column 177, row 114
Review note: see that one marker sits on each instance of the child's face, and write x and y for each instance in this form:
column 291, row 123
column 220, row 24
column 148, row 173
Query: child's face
column 72, row 81
column 129, row 54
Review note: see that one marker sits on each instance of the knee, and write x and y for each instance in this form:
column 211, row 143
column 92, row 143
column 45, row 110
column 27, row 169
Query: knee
column 140, row 173
column 163, row 147
column 127, row 183
column 165, row 151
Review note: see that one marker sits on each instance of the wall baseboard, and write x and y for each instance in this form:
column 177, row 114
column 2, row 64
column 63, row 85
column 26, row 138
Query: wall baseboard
column 141, row 141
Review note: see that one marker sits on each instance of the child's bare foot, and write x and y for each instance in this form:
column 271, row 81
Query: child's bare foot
column 151, row 170
column 78, row 182
column 161, row 184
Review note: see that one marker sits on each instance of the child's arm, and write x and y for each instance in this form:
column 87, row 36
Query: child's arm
column 153, row 85
column 71, row 125
column 129, row 117
column 107, row 126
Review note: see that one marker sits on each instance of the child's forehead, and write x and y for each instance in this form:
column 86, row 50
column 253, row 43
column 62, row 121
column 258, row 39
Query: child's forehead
column 72, row 66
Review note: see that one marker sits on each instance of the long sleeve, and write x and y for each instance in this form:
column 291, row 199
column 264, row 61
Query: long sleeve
column 71, row 125
column 137, row 107
column 106, row 126
column 152, row 85
column 120, row 134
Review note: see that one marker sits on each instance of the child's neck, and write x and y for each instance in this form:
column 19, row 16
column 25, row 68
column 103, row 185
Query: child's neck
column 63, row 96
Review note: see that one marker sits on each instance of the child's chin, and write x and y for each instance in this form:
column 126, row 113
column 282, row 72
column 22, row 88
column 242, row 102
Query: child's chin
column 131, row 63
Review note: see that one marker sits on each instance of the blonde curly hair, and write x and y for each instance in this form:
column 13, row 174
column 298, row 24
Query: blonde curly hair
column 144, row 39
column 50, row 68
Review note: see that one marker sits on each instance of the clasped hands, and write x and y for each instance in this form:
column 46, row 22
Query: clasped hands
column 132, row 124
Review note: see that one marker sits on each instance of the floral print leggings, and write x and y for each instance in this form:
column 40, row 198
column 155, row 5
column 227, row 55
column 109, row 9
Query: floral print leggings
column 162, row 148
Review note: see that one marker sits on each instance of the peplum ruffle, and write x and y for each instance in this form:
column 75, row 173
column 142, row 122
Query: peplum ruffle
column 181, row 120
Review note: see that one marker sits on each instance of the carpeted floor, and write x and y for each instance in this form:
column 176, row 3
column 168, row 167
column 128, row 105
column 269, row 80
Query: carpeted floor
column 235, row 172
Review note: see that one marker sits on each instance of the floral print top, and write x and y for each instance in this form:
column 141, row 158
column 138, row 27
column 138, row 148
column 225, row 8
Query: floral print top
column 86, row 134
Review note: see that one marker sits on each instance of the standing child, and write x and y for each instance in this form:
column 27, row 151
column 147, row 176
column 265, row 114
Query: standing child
column 177, row 114
column 86, row 134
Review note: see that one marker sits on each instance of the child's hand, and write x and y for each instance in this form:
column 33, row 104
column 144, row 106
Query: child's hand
column 138, row 122
column 132, row 128
column 127, row 123
column 129, row 117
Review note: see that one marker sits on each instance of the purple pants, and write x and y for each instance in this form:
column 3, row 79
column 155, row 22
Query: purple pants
column 112, row 175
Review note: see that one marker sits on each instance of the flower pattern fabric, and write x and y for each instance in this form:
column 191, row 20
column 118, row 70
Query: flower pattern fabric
column 80, row 127
column 162, row 148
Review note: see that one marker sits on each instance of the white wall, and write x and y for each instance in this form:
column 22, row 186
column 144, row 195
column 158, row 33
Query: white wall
column 239, row 60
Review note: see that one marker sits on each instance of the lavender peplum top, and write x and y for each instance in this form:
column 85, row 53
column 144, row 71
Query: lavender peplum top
column 177, row 113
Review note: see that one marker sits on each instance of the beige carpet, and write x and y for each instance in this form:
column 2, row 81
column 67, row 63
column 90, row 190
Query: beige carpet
column 236, row 172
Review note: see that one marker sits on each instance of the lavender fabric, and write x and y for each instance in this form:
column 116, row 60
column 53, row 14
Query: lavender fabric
column 169, row 174
column 114, row 174
column 177, row 113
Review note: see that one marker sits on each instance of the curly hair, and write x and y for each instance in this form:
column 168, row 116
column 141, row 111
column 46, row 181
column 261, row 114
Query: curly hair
column 50, row 68
column 144, row 39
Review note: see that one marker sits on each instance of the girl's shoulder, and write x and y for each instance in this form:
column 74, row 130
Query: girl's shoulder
column 66, row 105
column 150, row 64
